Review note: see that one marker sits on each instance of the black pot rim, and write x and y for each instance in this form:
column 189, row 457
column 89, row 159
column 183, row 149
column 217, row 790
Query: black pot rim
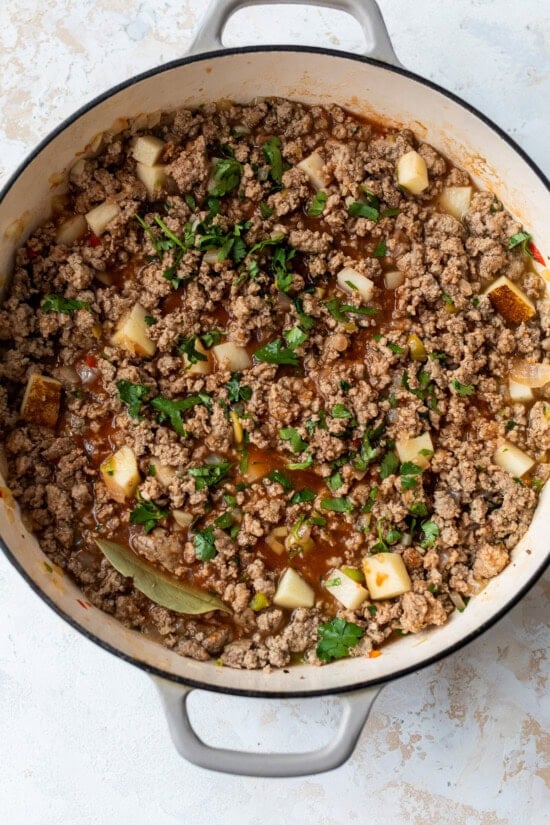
column 192, row 683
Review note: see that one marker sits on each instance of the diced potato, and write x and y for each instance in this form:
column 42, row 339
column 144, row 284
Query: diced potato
column 354, row 283
column 132, row 333
column 386, row 576
column 455, row 200
column 415, row 449
column 199, row 367
column 163, row 472
column 510, row 301
column 41, row 400
column 519, row 392
column 120, row 474
column 512, row 459
column 412, row 172
column 394, row 278
column 152, row 177
column 100, row 216
column 417, row 348
column 545, row 275
column 147, row 149
column 347, row 591
column 312, row 166
column 71, row 230
column 182, row 518
column 232, row 357
column 293, row 591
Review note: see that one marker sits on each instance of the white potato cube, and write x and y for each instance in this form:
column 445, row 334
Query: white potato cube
column 293, row 591
column 71, row 230
column 232, row 357
column 394, row 278
column 354, row 283
column 163, row 472
column 147, row 149
column 182, row 518
column 347, row 591
column 41, row 400
column 519, row 392
column 510, row 301
column 198, row 367
column 100, row 216
column 152, row 177
column 386, row 575
column 512, row 459
column 120, row 474
column 419, row 450
column 312, row 166
column 132, row 333
column 455, row 200
column 412, row 172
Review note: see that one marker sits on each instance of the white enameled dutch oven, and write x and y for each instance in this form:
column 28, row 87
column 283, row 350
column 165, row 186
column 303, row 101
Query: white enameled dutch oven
column 374, row 84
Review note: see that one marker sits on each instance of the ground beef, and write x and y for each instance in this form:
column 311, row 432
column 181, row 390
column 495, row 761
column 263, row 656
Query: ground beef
column 290, row 449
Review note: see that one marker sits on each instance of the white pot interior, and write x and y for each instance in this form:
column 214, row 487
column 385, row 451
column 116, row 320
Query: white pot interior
column 314, row 78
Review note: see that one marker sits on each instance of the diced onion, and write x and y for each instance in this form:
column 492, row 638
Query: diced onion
column 530, row 375
column 457, row 600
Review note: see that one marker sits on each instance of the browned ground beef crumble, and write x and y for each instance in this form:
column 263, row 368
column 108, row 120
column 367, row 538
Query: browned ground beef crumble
column 356, row 389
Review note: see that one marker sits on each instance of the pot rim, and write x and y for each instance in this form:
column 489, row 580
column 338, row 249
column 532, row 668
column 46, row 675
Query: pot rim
column 192, row 683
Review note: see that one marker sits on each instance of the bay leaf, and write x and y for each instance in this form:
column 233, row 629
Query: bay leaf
column 159, row 587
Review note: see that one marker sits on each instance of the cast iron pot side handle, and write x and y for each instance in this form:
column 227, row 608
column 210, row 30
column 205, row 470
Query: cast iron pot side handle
column 356, row 709
column 366, row 12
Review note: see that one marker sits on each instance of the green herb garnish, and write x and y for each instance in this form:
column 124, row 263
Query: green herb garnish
column 272, row 153
column 147, row 514
column 68, row 306
column 226, row 177
column 521, row 239
column 301, row 496
column 280, row 478
column 462, row 389
column 317, row 205
column 294, row 438
column 337, row 505
column 209, row 475
column 133, row 395
column 363, row 210
column 205, row 546
column 337, row 637
column 276, row 353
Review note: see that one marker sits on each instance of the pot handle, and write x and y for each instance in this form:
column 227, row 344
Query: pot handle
column 357, row 706
column 366, row 12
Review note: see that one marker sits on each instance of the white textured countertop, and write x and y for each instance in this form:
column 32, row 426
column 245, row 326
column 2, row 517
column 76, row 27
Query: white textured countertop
column 83, row 738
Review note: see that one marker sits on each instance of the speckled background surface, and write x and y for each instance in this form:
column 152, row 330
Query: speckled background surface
column 83, row 738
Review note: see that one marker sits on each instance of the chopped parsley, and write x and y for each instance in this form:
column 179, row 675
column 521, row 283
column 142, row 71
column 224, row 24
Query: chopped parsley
column 186, row 346
column 209, row 475
column 335, row 481
column 340, row 411
column 301, row 496
column 397, row 350
column 462, row 389
column 301, row 465
column 294, row 438
column 172, row 410
column 431, row 532
column 370, row 448
column 226, row 177
column 280, row 478
column 337, row 637
column 147, row 514
column 363, row 210
column 317, row 205
column 236, row 391
column 265, row 210
column 279, row 266
column 57, row 303
column 133, row 395
column 381, row 249
column 388, row 465
column 306, row 321
column 418, row 508
column 337, row 505
column 337, row 309
column 205, row 545
column 521, row 239
column 272, row 153
column 294, row 337
column 276, row 353
column 150, row 320
column 211, row 338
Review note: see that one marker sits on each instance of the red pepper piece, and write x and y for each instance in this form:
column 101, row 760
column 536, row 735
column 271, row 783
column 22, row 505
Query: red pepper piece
column 91, row 361
column 93, row 240
column 536, row 253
